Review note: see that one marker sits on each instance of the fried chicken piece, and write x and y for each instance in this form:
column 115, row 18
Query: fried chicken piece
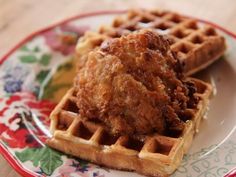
column 133, row 86
column 87, row 43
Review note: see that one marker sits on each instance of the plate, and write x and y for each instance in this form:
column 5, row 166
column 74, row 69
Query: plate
column 37, row 72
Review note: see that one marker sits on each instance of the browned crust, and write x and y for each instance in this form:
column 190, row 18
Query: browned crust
column 149, row 160
column 199, row 53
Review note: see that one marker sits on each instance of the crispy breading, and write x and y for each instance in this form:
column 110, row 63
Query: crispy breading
column 133, row 85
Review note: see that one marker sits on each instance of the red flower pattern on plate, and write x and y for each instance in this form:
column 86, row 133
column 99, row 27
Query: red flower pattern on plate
column 19, row 114
column 64, row 38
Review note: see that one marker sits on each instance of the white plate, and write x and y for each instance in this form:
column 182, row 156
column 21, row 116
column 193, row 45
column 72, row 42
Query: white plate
column 24, row 76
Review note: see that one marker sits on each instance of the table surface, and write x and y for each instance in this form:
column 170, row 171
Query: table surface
column 19, row 18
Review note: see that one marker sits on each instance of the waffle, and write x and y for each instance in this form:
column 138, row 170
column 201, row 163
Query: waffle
column 152, row 155
column 196, row 45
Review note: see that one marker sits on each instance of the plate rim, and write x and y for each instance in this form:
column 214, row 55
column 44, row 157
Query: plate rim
column 3, row 150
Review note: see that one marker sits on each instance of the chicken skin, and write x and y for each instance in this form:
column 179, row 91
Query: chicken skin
column 133, row 85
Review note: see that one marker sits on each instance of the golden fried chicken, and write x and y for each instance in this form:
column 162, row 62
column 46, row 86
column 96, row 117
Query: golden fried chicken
column 133, row 85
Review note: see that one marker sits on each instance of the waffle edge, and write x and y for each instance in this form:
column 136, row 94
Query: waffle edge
column 156, row 155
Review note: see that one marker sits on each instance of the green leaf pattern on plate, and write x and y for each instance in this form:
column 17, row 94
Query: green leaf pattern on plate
column 45, row 158
column 28, row 59
column 31, row 56
column 45, row 59
column 42, row 75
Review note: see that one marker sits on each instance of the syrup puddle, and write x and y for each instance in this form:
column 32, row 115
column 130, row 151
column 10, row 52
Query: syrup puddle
column 58, row 81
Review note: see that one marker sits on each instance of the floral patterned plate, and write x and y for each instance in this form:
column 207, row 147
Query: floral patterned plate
column 37, row 72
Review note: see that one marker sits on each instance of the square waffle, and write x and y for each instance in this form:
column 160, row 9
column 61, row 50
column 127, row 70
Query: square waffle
column 152, row 155
column 196, row 45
